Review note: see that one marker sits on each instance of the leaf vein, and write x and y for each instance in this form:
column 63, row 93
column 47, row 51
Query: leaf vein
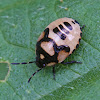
column 91, row 45
column 14, row 90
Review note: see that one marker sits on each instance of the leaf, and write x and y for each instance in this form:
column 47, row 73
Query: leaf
column 4, row 70
column 21, row 23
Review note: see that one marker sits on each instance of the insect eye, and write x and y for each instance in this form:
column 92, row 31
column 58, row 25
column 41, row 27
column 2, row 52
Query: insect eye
column 44, row 65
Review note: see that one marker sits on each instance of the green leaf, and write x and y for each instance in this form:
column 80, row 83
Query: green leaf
column 21, row 23
column 4, row 70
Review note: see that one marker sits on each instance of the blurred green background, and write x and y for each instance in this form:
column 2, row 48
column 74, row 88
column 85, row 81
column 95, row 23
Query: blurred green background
column 21, row 23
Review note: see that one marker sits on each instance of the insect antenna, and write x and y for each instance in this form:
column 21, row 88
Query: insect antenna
column 34, row 74
column 23, row 63
column 82, row 27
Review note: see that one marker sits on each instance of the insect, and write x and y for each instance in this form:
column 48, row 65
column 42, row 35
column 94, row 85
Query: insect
column 59, row 40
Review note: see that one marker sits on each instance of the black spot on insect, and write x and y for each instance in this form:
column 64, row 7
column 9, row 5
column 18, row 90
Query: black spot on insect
column 73, row 22
column 73, row 51
column 81, row 34
column 63, row 29
column 62, row 47
column 47, row 58
column 68, row 25
column 77, row 45
column 76, row 21
column 79, row 40
column 46, row 33
column 63, row 36
column 60, row 34
column 55, row 30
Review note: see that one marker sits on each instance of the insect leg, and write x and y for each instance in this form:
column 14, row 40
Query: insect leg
column 82, row 27
column 71, row 62
column 53, row 70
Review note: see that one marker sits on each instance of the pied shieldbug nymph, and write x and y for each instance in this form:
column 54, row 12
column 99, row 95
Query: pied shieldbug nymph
column 59, row 39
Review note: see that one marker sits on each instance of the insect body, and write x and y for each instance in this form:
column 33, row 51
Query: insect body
column 59, row 39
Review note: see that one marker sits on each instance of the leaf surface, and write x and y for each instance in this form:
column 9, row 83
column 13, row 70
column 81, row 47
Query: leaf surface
column 21, row 23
